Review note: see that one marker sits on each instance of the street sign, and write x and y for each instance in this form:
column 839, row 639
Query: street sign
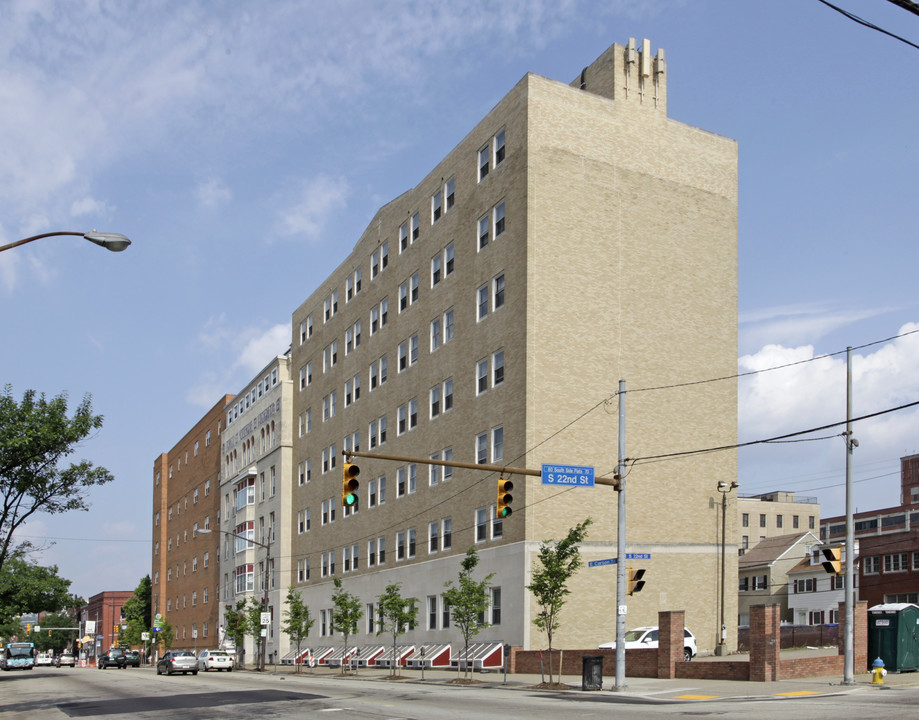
column 638, row 556
column 598, row 563
column 570, row 475
column 145, row 636
column 37, row 628
column 266, row 618
column 623, row 610
column 157, row 628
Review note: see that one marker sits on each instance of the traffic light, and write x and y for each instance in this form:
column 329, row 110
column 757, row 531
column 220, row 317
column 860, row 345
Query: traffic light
column 28, row 628
column 635, row 581
column 833, row 562
column 115, row 629
column 503, row 508
column 349, row 484
column 49, row 633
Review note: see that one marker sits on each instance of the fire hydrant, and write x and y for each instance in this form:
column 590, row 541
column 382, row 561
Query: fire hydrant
column 878, row 673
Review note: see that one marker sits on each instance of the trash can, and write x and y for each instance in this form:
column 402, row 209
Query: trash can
column 591, row 672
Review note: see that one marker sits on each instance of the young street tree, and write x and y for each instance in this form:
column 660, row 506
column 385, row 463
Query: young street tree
column 35, row 436
column 557, row 562
column 253, row 610
column 237, row 627
column 137, row 613
column 396, row 615
column 345, row 616
column 297, row 620
column 468, row 602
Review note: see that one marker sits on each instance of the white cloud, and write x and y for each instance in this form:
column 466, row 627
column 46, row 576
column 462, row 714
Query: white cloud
column 260, row 348
column 796, row 324
column 810, row 393
column 90, row 206
column 213, row 193
column 313, row 206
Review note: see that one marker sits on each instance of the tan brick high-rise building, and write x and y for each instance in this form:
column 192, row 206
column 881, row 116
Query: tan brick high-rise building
column 575, row 237
column 186, row 498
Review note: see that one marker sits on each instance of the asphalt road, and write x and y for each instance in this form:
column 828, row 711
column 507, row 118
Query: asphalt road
column 52, row 694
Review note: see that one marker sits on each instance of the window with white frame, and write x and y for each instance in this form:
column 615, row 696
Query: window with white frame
column 434, row 402
column 403, row 237
column 412, row 537
column 352, row 285
column 416, row 226
column 437, row 337
column 379, row 259
column 497, row 293
column 433, row 537
column 497, row 216
column 499, row 147
column 330, row 356
column 481, row 376
column 352, row 390
column 497, row 368
column 448, row 395
column 377, row 373
column 481, row 525
column 449, row 194
column 495, row 606
column 437, row 268
column 446, row 533
column 437, row 206
column 400, row 545
column 484, row 162
column 483, row 232
column 896, row 562
column 497, row 443
column 482, row 303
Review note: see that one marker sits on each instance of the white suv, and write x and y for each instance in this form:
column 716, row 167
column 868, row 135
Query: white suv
column 646, row 637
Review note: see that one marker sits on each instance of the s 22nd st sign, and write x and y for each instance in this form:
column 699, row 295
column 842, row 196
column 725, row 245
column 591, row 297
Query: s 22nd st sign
column 571, row 475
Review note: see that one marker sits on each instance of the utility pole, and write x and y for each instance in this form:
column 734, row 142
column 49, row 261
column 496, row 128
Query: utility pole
column 848, row 673
column 621, row 570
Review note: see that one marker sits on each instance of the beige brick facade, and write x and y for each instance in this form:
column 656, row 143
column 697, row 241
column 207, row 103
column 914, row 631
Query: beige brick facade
column 615, row 257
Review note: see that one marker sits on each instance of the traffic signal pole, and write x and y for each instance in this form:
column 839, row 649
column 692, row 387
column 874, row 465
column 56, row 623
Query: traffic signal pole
column 621, row 581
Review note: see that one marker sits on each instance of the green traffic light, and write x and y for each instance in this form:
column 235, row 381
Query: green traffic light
column 350, row 499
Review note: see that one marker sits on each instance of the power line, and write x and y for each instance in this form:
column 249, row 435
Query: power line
column 867, row 24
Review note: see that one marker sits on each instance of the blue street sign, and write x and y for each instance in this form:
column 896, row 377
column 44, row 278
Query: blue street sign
column 572, row 475
column 638, row 556
column 598, row 563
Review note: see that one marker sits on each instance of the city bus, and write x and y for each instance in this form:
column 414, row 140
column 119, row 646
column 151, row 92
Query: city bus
column 18, row 656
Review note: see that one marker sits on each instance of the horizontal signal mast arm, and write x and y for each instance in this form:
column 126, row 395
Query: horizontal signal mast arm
column 468, row 466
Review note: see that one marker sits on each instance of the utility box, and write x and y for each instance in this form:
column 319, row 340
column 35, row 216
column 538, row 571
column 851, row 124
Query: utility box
column 893, row 636
column 591, row 672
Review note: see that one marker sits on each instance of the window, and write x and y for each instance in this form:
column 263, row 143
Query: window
column 379, row 259
column 497, row 443
column 482, row 303
column 896, row 562
column 436, row 269
column 413, row 413
column 434, row 537
column 481, row 525
column 353, row 285
column 377, row 373
column 795, row 524
column 436, row 334
column 778, row 521
column 481, row 376
column 403, row 237
column 434, row 404
column 330, row 356
column 483, row 163
column 497, row 368
column 353, row 337
column 499, row 147
column 449, row 260
column 432, row 612
column 872, row 565
column 352, row 390
column 376, row 433
column 450, row 194
column 745, row 519
column 498, row 219
column 416, row 226
column 448, row 394
column 411, row 542
column 400, row 545
column 496, row 606
column 446, row 534
column 483, row 232
column 497, row 295
column 762, row 520
column 437, row 206
column 448, row 326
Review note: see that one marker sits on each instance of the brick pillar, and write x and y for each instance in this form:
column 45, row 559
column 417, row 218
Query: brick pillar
column 860, row 659
column 765, row 642
column 669, row 642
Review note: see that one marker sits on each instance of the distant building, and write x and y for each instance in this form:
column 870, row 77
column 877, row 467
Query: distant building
column 763, row 572
column 772, row 514
column 888, row 567
column 101, row 621
column 186, row 498
column 813, row 594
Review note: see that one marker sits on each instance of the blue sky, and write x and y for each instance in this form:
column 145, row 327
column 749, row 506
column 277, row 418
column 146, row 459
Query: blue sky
column 244, row 147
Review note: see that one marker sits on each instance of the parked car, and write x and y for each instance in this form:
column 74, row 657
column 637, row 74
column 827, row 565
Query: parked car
column 131, row 658
column 65, row 659
column 113, row 658
column 177, row 661
column 44, row 659
column 646, row 637
column 215, row 660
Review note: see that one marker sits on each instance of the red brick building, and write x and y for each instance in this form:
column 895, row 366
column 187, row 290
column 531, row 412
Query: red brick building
column 101, row 619
column 888, row 543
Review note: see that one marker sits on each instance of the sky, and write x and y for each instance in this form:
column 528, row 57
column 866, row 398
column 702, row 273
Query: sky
column 244, row 147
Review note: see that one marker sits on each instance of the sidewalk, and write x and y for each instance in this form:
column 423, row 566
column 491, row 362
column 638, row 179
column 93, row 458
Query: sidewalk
column 651, row 689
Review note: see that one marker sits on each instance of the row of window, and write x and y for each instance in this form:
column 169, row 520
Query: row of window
column 779, row 521
column 892, row 563
column 489, row 227
column 252, row 447
column 184, row 604
column 437, row 615
column 179, row 503
column 243, row 403
column 489, row 298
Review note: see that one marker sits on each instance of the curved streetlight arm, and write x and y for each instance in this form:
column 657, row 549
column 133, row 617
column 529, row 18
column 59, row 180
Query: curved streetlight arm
column 116, row 242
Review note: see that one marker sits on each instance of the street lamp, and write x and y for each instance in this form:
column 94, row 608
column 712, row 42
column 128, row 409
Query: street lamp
column 116, row 242
column 724, row 488
column 263, row 640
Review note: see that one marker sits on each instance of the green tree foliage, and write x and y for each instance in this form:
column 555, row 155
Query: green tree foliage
column 137, row 613
column 346, row 614
column 236, row 626
column 36, row 435
column 27, row 587
column 253, row 614
column 397, row 613
column 468, row 601
column 297, row 620
column 557, row 562
column 165, row 636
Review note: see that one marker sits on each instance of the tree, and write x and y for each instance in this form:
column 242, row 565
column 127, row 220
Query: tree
column 137, row 611
column 236, row 626
column 165, row 636
column 298, row 620
column 468, row 602
column 556, row 563
column 396, row 614
column 28, row 587
column 35, row 437
column 347, row 613
column 252, row 611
